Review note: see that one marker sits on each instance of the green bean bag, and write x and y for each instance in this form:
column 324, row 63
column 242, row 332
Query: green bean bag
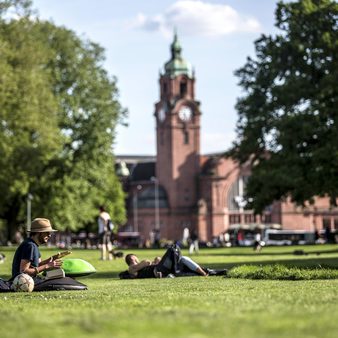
column 75, row 267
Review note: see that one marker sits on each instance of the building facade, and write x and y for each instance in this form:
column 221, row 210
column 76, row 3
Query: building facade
column 180, row 188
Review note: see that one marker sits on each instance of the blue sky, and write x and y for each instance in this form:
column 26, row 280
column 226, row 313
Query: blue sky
column 216, row 37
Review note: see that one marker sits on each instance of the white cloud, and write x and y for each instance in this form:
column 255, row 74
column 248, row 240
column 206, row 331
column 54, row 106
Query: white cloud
column 199, row 18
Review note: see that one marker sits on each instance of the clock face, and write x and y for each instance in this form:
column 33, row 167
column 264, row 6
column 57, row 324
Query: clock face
column 185, row 113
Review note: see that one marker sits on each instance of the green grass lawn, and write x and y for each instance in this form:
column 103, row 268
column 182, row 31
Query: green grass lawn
column 181, row 307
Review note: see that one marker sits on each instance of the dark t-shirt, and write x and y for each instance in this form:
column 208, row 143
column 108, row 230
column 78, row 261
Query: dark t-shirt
column 28, row 250
column 146, row 272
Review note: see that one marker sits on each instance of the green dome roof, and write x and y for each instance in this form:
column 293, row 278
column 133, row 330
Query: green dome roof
column 177, row 65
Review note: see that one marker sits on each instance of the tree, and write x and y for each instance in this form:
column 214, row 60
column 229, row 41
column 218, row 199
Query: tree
column 288, row 121
column 58, row 113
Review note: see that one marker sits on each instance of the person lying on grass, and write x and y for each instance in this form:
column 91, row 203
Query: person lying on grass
column 172, row 263
column 155, row 268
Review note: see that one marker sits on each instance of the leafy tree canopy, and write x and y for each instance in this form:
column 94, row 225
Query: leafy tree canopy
column 288, row 119
column 58, row 114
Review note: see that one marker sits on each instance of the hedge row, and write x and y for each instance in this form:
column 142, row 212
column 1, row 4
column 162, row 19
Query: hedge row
column 281, row 272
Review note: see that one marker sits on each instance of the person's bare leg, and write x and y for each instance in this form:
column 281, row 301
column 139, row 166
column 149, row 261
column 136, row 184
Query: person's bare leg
column 201, row 272
column 103, row 252
column 109, row 251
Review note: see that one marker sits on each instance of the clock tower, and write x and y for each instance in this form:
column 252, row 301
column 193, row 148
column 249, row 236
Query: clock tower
column 178, row 137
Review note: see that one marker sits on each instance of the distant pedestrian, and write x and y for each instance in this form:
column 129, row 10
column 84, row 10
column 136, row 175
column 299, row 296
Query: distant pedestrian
column 105, row 232
column 329, row 236
column 227, row 239
column 157, row 239
column 185, row 237
column 258, row 242
column 240, row 238
column 151, row 238
column 194, row 246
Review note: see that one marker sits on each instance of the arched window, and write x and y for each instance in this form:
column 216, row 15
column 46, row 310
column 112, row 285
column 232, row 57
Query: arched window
column 165, row 88
column 236, row 194
column 183, row 88
column 186, row 137
column 146, row 198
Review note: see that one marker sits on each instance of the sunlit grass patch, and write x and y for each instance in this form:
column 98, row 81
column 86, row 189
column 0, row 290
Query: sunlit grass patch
column 183, row 307
column 281, row 272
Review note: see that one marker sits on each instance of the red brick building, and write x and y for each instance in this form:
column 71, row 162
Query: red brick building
column 181, row 188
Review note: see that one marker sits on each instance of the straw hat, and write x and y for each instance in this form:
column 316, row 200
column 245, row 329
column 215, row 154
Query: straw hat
column 41, row 225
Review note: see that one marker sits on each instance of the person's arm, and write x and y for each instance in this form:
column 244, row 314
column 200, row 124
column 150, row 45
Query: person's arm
column 156, row 260
column 52, row 263
column 46, row 261
column 134, row 268
column 26, row 267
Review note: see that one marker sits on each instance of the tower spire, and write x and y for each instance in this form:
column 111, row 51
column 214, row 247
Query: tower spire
column 177, row 65
column 175, row 47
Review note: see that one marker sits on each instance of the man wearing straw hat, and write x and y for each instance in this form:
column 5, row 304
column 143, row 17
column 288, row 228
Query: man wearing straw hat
column 27, row 258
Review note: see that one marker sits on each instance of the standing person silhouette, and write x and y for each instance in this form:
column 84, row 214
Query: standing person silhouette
column 193, row 242
column 185, row 237
column 105, row 234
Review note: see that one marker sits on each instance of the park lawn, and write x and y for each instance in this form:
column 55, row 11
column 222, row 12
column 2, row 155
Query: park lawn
column 180, row 307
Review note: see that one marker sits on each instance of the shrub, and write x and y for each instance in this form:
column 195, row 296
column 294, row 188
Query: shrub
column 281, row 272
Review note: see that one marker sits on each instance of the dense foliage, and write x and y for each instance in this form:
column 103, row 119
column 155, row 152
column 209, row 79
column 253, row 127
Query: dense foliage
column 288, row 121
column 58, row 113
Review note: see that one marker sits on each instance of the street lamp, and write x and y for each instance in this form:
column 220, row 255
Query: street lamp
column 157, row 214
column 138, row 188
column 29, row 208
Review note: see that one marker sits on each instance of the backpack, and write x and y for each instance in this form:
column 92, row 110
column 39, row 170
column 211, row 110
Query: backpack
column 110, row 225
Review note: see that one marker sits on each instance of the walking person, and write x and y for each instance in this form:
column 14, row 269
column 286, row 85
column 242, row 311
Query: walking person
column 105, row 232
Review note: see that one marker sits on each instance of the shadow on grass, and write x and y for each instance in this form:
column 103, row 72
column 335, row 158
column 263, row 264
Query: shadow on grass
column 104, row 275
column 97, row 275
column 276, row 253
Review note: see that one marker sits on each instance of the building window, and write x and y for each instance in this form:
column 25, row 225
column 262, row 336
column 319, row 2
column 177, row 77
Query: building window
column 233, row 219
column 326, row 223
column 250, row 218
column 186, row 137
column 335, row 222
column 146, row 198
column 266, row 218
column 236, row 199
column 165, row 88
column 183, row 88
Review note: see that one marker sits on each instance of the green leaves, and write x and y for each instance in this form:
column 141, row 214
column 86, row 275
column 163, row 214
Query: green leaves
column 288, row 117
column 58, row 113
